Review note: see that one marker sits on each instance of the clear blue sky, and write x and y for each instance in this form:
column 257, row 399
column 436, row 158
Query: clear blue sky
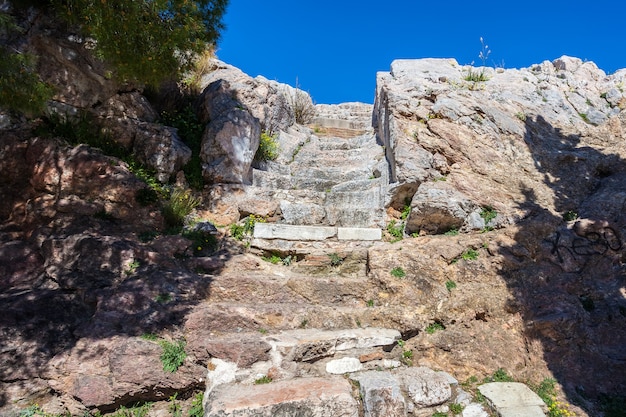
column 334, row 48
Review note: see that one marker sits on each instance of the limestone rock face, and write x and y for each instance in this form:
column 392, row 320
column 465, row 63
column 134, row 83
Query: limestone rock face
column 504, row 134
column 237, row 108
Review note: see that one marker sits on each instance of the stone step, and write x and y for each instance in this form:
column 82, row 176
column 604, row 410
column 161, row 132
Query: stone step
column 300, row 233
column 346, row 312
column 311, row 397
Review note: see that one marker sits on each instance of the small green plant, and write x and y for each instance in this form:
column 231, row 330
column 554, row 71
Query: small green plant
column 150, row 336
column 173, row 355
column 488, row 213
column 197, row 410
column 546, row 390
column 269, row 148
column 584, row 117
column 440, row 414
column 450, row 285
column 570, row 215
column 335, row 259
column 181, row 203
column 201, row 242
column 263, row 331
column 456, row 408
column 174, row 406
column 500, row 375
column 433, row 327
column 395, row 230
column 237, row 231
column 398, row 272
column 406, row 211
column 521, row 115
column 132, row 267
column 469, row 255
column 369, row 303
column 273, row 259
column 452, row 232
column 136, row 411
column 303, row 323
column 263, row 380
column 163, row 298
column 476, row 76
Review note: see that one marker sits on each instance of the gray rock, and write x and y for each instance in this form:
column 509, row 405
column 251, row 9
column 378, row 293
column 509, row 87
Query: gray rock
column 426, row 388
column 228, row 147
column 513, row 399
column 381, row 394
column 160, row 148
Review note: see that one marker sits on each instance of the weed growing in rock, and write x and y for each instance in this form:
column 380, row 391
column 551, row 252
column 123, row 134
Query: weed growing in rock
column 174, row 406
column 395, row 230
column 132, row 267
column 433, row 327
column 488, row 213
column 398, row 272
column 469, row 255
column 136, row 411
column 450, row 285
column 196, row 409
column 369, row 303
column 273, row 259
column 163, row 298
column 173, row 355
column 180, row 204
column 452, row 232
column 149, row 336
column 269, row 149
column 263, row 380
column 302, row 105
column 500, row 375
column 335, row 260
column 201, row 241
column 546, row 390
column 520, row 115
column 570, row 215
column 440, row 414
column 456, row 408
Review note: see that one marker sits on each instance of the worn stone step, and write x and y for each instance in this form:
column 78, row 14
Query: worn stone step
column 311, row 397
column 304, row 233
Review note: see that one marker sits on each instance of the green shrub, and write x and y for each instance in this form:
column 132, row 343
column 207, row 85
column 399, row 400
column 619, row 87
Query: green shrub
column 173, row 355
column 21, row 89
column 398, row 272
column 181, row 203
column 456, row 408
column 269, row 148
column 190, row 130
column 237, row 231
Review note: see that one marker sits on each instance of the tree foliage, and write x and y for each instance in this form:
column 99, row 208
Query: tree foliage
column 143, row 41
column 147, row 41
column 20, row 87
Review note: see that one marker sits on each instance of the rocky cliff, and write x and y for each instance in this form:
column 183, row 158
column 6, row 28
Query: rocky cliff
column 500, row 194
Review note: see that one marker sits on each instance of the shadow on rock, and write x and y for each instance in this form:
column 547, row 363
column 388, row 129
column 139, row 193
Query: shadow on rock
column 571, row 286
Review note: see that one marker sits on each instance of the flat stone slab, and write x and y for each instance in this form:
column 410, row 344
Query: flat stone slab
column 343, row 366
column 311, row 397
column 308, row 233
column 513, row 399
column 359, row 233
column 307, row 345
column 291, row 232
